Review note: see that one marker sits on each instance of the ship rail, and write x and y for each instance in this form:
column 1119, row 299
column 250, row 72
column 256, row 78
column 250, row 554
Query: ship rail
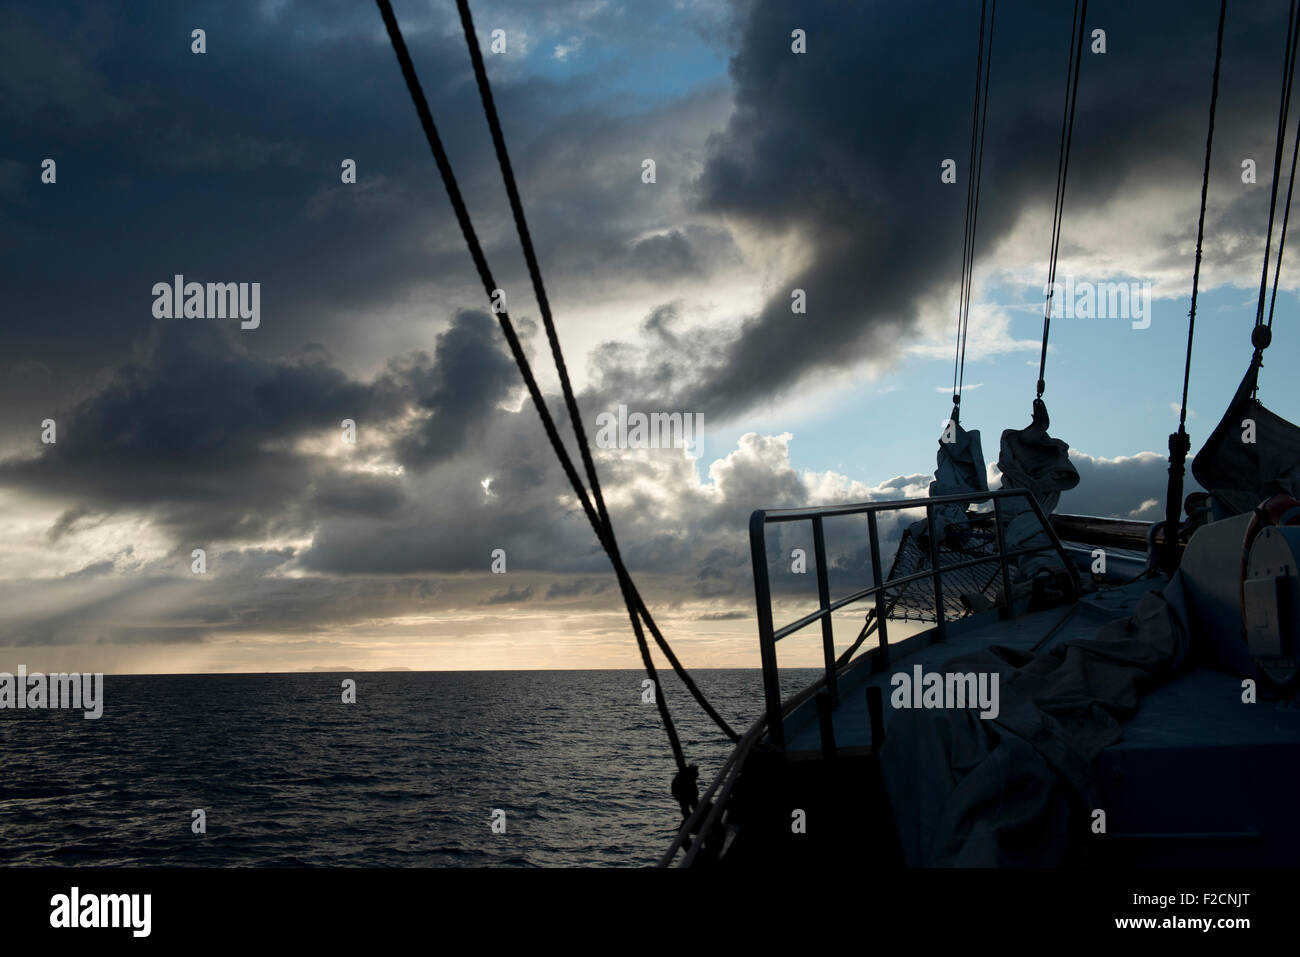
column 707, row 815
column 769, row 635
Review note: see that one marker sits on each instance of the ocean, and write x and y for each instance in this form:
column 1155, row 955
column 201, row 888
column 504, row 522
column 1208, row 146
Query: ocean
column 287, row 775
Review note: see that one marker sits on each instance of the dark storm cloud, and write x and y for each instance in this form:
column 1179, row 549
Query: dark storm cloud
column 196, row 430
column 206, row 165
column 176, row 162
column 469, row 374
column 337, row 496
column 226, row 166
column 842, row 147
column 203, row 435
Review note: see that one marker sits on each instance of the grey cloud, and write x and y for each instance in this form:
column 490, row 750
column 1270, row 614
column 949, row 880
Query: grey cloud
column 684, row 253
column 194, row 430
column 579, row 586
column 722, row 616
column 202, row 431
column 511, row 596
column 199, row 432
column 1118, row 488
column 217, row 179
column 94, row 570
column 840, row 148
column 470, row 372
column 68, row 520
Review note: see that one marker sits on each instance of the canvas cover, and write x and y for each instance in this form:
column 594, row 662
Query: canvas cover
column 983, row 792
column 1242, row 473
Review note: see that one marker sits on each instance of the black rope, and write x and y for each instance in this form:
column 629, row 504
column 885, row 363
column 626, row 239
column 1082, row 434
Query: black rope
column 1200, row 222
column 1062, row 169
column 979, row 121
column 1180, row 442
column 970, row 196
column 1286, row 212
column 489, row 284
column 1286, row 217
column 1283, row 112
column 636, row 604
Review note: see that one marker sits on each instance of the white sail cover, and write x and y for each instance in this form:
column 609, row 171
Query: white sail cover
column 1031, row 459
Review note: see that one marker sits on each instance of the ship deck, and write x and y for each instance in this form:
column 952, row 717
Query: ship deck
column 1176, row 783
column 1175, row 714
column 1034, row 631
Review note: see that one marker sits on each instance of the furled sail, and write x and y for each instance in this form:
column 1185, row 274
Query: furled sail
column 1031, row 459
column 960, row 468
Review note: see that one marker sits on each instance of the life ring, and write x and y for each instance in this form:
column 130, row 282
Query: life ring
column 1279, row 510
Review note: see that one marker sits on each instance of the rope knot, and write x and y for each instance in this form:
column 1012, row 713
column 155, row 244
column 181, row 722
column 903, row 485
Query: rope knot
column 686, row 788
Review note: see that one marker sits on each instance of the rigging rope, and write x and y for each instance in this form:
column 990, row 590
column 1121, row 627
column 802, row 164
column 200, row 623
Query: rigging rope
column 1262, row 334
column 1180, row 442
column 979, row 121
column 1200, row 222
column 1062, row 168
column 1286, row 217
column 602, row 519
column 1283, row 113
column 684, row 784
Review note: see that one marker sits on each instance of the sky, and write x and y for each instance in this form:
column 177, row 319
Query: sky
column 775, row 171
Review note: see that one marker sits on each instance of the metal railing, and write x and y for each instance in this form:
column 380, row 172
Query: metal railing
column 769, row 636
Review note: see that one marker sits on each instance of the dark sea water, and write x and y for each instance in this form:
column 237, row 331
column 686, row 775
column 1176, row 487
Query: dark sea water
column 288, row 775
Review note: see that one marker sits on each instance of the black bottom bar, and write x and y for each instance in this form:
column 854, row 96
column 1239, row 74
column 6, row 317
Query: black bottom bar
column 585, row 910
